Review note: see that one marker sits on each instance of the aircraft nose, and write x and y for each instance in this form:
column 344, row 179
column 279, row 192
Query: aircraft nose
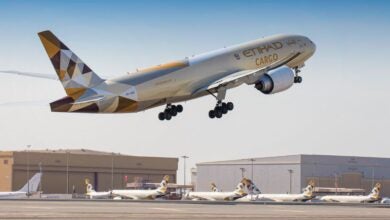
column 312, row 46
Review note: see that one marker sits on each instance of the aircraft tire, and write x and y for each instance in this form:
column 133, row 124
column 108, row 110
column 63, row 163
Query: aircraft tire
column 179, row 108
column 218, row 114
column 161, row 116
column 230, row 106
column 168, row 116
column 212, row 114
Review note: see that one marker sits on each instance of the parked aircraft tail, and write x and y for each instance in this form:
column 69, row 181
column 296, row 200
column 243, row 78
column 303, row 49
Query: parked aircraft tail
column 89, row 186
column 252, row 188
column 308, row 191
column 375, row 192
column 75, row 76
column 163, row 185
column 214, row 188
column 241, row 186
column 32, row 185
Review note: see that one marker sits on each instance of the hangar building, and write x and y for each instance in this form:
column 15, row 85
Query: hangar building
column 65, row 171
column 285, row 174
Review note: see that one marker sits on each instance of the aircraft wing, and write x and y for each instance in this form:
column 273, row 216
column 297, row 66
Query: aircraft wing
column 31, row 74
column 245, row 76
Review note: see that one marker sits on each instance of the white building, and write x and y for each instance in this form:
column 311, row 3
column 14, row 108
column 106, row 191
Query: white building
column 285, row 174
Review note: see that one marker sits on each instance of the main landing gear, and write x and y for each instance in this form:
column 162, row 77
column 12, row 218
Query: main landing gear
column 297, row 79
column 220, row 109
column 170, row 111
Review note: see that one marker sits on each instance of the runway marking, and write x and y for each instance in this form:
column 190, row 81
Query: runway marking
column 167, row 209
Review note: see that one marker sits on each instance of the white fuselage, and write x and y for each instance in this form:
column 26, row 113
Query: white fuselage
column 13, row 195
column 347, row 199
column 275, row 197
column 199, row 70
column 99, row 195
column 136, row 194
column 213, row 196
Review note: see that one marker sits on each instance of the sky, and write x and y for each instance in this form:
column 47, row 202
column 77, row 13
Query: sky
column 341, row 108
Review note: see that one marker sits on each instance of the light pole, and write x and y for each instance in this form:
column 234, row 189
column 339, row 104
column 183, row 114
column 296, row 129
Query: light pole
column 28, row 171
column 112, row 170
column 67, row 172
column 40, row 182
column 184, row 171
column 290, row 171
column 252, row 160
column 242, row 171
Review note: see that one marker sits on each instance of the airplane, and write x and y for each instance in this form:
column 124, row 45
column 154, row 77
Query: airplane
column 255, row 195
column 219, row 196
column 29, row 188
column 143, row 194
column 92, row 194
column 372, row 197
column 271, row 64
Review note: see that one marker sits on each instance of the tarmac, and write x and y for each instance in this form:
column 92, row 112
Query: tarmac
column 109, row 209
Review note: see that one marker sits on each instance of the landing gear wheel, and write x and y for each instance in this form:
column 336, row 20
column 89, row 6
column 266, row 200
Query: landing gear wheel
column 218, row 114
column 297, row 79
column 224, row 109
column 179, row 108
column 212, row 114
column 173, row 111
column 230, row 106
column 168, row 116
column 161, row 116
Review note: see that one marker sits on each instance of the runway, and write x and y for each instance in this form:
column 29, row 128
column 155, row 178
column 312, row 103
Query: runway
column 45, row 209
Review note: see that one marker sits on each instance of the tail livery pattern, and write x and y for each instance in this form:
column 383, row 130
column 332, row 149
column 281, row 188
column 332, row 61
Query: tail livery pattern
column 375, row 193
column 73, row 73
column 86, row 91
column 308, row 191
column 163, row 185
column 214, row 187
column 252, row 188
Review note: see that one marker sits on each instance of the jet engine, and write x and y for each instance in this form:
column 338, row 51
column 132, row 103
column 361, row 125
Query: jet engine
column 276, row 80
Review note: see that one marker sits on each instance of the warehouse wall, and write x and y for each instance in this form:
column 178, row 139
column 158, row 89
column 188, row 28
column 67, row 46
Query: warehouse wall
column 268, row 178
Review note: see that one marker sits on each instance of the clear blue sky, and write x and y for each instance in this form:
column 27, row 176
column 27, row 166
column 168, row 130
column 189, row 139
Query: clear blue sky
column 341, row 108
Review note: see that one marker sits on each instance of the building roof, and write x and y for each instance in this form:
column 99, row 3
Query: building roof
column 302, row 158
column 79, row 151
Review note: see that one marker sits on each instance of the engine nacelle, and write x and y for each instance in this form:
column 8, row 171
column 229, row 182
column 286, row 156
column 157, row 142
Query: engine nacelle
column 276, row 80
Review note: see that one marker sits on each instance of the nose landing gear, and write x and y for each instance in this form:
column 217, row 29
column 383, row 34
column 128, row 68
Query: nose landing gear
column 297, row 78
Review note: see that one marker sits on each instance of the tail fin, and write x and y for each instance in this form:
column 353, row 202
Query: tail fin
column 214, row 188
column 252, row 188
column 375, row 192
column 241, row 186
column 32, row 185
column 308, row 191
column 73, row 73
column 89, row 186
column 164, row 184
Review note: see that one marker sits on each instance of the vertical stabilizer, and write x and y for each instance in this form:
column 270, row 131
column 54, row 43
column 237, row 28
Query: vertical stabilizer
column 32, row 185
column 76, row 77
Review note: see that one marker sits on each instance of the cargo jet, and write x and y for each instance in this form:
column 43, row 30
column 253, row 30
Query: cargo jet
column 29, row 188
column 270, row 64
column 142, row 194
column 255, row 195
column 372, row 197
column 215, row 195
